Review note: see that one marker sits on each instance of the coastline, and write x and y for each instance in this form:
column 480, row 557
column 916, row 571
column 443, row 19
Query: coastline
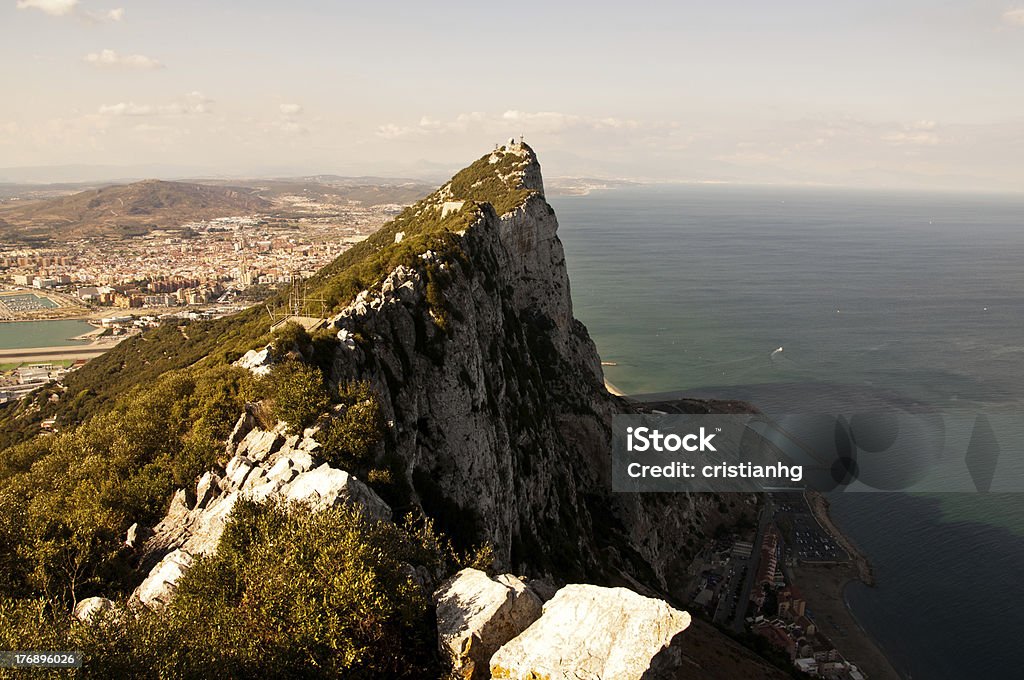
column 612, row 389
column 824, row 587
column 819, row 506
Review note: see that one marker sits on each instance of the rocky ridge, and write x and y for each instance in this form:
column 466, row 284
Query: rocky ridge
column 500, row 414
column 499, row 423
column 262, row 465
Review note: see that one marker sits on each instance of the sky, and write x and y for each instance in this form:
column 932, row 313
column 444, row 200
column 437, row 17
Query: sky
column 893, row 94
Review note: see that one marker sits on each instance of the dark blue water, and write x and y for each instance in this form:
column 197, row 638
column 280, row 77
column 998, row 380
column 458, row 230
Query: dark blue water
column 691, row 288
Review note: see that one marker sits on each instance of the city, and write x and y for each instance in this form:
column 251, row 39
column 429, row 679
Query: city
column 199, row 269
column 748, row 581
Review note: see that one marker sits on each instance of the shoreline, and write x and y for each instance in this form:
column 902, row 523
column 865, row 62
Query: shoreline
column 612, row 389
column 824, row 587
column 819, row 507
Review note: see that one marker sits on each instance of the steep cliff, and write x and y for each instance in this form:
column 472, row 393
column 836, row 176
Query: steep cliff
column 457, row 318
column 499, row 418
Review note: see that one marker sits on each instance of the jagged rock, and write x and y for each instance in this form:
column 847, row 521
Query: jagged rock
column 132, row 536
column 238, row 468
column 267, row 465
column 495, row 400
column 477, row 614
column 243, row 426
column 178, row 507
column 590, row 632
column 258, row 444
column 257, row 361
column 91, row 606
column 347, row 338
column 282, row 471
column 543, row 587
column 496, row 409
column 159, row 586
column 205, row 488
column 300, row 460
column 326, row 486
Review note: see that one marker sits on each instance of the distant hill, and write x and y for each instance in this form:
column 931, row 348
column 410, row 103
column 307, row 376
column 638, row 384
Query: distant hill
column 124, row 210
column 367, row 191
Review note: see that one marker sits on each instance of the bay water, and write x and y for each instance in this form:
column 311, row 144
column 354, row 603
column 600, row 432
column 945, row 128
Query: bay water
column 696, row 288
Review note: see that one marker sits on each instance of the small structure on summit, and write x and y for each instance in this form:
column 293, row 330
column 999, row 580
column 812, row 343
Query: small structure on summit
column 298, row 308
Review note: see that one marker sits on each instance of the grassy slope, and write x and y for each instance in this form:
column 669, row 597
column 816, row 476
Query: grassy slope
column 94, row 388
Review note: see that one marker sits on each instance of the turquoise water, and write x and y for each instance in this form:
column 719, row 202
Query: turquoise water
column 19, row 334
column 695, row 288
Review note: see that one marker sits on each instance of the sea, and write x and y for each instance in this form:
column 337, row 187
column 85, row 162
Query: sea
column 696, row 288
column 55, row 333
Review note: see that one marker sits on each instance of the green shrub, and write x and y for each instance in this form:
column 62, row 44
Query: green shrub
column 289, row 593
column 298, row 394
column 494, row 183
column 349, row 439
column 291, row 337
column 66, row 500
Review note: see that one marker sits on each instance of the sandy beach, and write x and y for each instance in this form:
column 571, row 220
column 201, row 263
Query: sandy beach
column 824, row 587
column 613, row 389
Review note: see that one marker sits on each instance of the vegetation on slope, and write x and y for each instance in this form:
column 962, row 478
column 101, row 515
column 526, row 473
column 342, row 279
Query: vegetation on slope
column 126, row 210
column 289, row 593
column 67, row 499
column 499, row 183
column 139, row 361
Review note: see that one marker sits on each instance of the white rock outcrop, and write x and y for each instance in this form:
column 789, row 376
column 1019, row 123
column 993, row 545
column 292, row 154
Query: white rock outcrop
column 86, row 609
column 256, row 360
column 592, row 633
column 159, row 586
column 477, row 614
column 266, row 464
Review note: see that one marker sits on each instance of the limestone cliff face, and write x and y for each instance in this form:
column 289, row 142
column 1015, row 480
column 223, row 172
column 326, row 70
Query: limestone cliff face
column 498, row 418
column 496, row 399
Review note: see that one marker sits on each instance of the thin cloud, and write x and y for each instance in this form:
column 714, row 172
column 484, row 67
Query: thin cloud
column 291, row 127
column 291, row 109
column 392, row 131
column 114, row 59
column 116, row 14
column 1014, row 17
column 127, row 109
column 192, row 104
column 920, row 133
column 555, row 121
column 54, row 8
column 530, row 122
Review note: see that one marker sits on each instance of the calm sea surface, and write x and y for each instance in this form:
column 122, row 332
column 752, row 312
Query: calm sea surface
column 18, row 334
column 694, row 288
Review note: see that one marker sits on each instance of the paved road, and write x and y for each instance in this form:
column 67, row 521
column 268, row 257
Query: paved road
column 42, row 354
column 755, row 559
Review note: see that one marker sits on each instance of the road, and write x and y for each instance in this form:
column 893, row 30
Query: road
column 44, row 354
column 739, row 621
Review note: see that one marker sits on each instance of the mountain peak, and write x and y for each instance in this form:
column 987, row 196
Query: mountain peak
column 505, row 178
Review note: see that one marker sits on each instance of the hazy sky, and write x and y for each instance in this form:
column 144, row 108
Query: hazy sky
column 859, row 92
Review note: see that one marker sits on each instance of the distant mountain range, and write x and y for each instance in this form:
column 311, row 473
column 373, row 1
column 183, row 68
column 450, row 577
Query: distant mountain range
column 124, row 210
